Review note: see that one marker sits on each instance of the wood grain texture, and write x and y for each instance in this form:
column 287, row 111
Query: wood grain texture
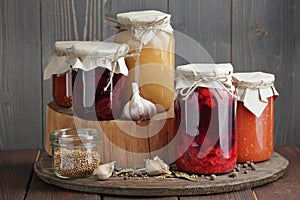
column 67, row 20
column 206, row 21
column 297, row 69
column 262, row 40
column 288, row 187
column 106, row 197
column 123, row 141
column 16, row 169
column 20, row 75
column 240, row 195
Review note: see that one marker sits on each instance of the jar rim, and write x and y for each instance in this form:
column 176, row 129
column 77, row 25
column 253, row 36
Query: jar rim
column 75, row 136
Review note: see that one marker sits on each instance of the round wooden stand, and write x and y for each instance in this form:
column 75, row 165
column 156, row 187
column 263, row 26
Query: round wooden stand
column 129, row 143
column 265, row 172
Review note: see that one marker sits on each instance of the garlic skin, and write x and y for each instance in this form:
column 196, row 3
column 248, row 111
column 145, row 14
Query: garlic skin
column 156, row 167
column 138, row 108
column 104, row 171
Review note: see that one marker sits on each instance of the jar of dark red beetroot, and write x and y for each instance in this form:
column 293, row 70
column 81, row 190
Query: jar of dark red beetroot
column 207, row 110
column 60, row 69
column 255, row 115
column 100, row 80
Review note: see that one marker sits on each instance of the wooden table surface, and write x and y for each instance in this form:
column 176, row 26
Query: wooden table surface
column 18, row 181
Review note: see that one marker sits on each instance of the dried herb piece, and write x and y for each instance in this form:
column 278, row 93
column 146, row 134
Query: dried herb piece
column 184, row 175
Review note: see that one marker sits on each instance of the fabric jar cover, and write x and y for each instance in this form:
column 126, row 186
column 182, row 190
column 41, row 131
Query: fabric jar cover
column 254, row 89
column 145, row 24
column 87, row 55
column 204, row 75
column 62, row 59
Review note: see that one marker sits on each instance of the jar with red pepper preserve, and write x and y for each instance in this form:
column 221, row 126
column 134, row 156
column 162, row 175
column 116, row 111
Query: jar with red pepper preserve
column 206, row 108
column 60, row 69
column 255, row 115
column 100, row 80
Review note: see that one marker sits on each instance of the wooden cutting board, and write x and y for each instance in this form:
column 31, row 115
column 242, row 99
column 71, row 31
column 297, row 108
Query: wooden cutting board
column 265, row 172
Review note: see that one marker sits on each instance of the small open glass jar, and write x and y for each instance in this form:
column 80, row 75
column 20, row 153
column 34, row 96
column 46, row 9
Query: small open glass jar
column 255, row 115
column 206, row 107
column 75, row 152
column 150, row 37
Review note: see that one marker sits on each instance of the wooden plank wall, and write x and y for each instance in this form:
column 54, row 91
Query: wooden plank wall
column 296, row 67
column 263, row 40
column 252, row 34
column 20, row 74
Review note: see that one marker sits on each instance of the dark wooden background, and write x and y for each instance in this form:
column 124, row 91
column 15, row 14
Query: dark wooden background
column 254, row 35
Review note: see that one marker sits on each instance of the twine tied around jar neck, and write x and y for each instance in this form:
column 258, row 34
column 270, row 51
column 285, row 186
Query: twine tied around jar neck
column 253, row 86
column 157, row 24
column 115, row 63
column 222, row 81
column 117, row 58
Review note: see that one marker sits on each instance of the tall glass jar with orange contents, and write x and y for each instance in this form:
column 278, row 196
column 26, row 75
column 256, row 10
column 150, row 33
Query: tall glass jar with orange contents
column 255, row 115
column 151, row 42
column 60, row 69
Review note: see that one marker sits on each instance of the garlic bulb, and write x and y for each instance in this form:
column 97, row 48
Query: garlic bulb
column 104, row 171
column 138, row 108
column 156, row 167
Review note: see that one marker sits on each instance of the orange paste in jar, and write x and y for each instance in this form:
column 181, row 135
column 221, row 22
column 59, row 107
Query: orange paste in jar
column 255, row 135
column 151, row 64
column 62, row 89
column 153, row 69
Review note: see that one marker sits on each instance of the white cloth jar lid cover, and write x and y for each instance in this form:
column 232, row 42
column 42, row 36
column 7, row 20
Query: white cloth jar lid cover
column 254, row 89
column 62, row 48
column 87, row 55
column 145, row 23
column 205, row 69
column 141, row 18
column 204, row 75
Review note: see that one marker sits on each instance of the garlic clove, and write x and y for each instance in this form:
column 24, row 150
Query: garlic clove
column 138, row 108
column 156, row 167
column 104, row 171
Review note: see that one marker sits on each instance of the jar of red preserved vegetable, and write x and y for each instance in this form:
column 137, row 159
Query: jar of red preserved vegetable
column 255, row 115
column 207, row 108
column 100, row 80
column 60, row 69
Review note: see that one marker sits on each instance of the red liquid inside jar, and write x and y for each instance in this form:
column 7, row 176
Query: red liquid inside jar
column 62, row 89
column 91, row 101
column 255, row 135
column 207, row 128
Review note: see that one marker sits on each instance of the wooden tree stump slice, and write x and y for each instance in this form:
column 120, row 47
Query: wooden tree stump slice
column 127, row 142
column 265, row 172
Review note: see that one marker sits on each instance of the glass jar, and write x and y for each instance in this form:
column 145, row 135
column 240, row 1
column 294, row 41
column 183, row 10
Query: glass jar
column 75, row 152
column 62, row 88
column 150, row 38
column 100, row 81
column 207, row 119
column 60, row 69
column 255, row 115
